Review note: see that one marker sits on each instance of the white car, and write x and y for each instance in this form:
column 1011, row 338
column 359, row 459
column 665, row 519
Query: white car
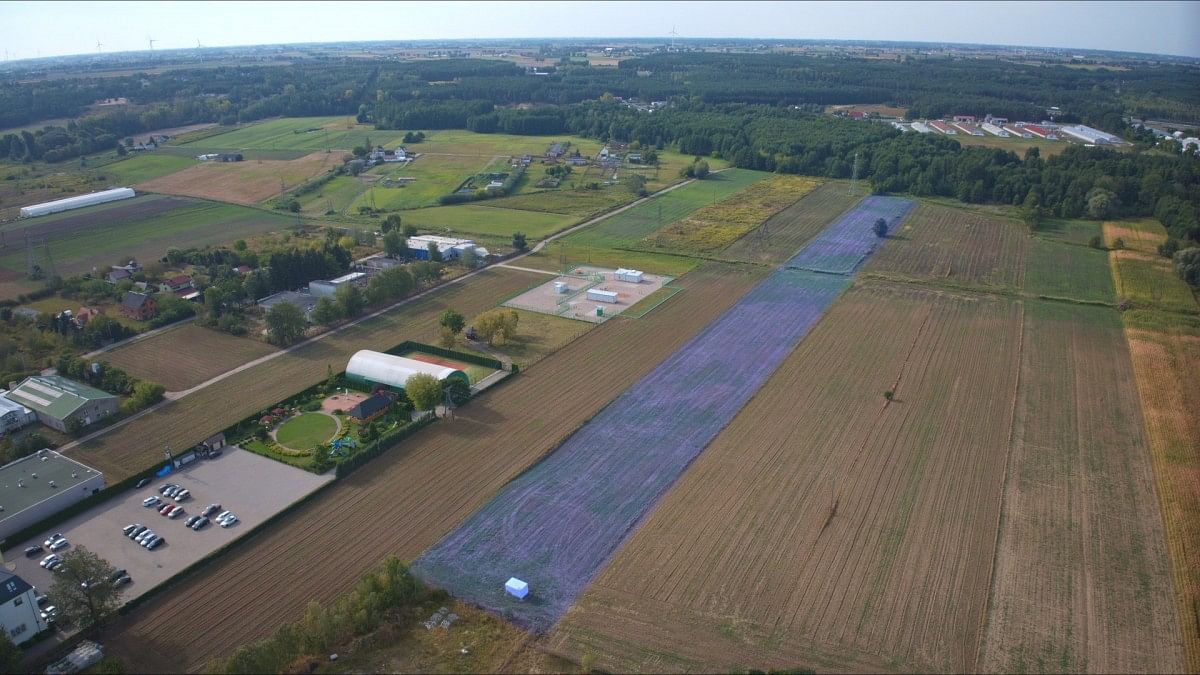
column 151, row 501
column 223, row 515
column 53, row 538
column 59, row 545
column 176, row 512
column 49, row 559
column 228, row 521
column 144, row 536
column 182, row 495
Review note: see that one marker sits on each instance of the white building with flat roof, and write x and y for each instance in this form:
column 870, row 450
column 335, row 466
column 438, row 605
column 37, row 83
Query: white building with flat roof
column 1090, row 135
column 327, row 288
column 36, row 487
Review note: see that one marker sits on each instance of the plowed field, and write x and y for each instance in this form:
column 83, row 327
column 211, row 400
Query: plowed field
column 185, row 356
column 748, row 563
column 785, row 232
column 957, row 246
column 248, row 182
column 1082, row 579
column 408, row 499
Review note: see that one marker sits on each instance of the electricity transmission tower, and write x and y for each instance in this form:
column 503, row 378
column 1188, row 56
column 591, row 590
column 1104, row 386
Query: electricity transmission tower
column 854, row 176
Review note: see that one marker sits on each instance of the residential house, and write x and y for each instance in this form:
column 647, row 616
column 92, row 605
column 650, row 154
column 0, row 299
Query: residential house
column 176, row 283
column 117, row 274
column 20, row 615
column 13, row 416
column 371, row 408
column 140, row 306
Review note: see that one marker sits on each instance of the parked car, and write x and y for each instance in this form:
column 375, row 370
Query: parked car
column 49, row 612
column 164, row 487
column 31, row 551
column 128, row 528
column 166, row 508
column 222, row 515
column 229, row 521
column 142, row 483
column 49, row 559
column 53, row 538
column 137, row 531
column 151, row 501
column 146, row 534
column 59, row 545
column 41, row 600
column 210, row 509
column 182, row 495
column 117, row 575
column 158, row 541
column 55, row 565
column 176, row 512
column 200, row 524
column 122, row 580
column 150, row 540
column 171, row 491
column 191, row 521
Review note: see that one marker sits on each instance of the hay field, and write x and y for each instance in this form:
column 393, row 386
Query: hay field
column 183, row 357
column 421, row 490
column 248, row 182
column 781, row 235
column 897, row 577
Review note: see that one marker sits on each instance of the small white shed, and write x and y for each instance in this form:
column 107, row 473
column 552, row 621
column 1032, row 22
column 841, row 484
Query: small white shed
column 516, row 588
column 632, row 276
column 601, row 296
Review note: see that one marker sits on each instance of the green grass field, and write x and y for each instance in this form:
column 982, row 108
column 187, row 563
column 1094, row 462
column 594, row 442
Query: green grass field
column 1070, row 231
column 336, row 196
column 1151, row 282
column 482, row 220
column 339, row 133
column 566, row 201
column 144, row 167
column 306, row 431
column 1061, row 270
column 436, row 175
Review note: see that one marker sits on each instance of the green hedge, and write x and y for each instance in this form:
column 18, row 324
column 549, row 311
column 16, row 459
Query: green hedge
column 410, row 346
column 348, row 465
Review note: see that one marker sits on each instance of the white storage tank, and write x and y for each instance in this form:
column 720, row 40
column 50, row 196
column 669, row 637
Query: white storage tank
column 601, row 295
column 76, row 202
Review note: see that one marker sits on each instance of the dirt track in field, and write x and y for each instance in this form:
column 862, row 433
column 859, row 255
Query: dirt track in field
column 411, row 497
column 248, row 182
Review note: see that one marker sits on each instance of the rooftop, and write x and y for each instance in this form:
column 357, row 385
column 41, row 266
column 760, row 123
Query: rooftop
column 48, row 466
column 11, row 586
column 54, row 395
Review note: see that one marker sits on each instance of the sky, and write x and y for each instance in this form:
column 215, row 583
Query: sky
column 31, row 29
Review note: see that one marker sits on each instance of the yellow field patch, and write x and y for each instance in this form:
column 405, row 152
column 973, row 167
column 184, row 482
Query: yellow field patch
column 1143, row 236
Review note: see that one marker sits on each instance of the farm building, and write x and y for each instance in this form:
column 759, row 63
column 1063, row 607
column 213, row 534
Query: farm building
column 13, row 416
column 1017, row 131
column 920, row 127
column 968, row 129
column 322, row 288
column 76, row 202
column 1041, row 132
column 58, row 401
column 994, row 130
column 36, row 487
column 601, row 295
column 376, row 368
column 1090, row 135
column 942, row 127
column 969, row 119
column 20, row 615
column 998, row 121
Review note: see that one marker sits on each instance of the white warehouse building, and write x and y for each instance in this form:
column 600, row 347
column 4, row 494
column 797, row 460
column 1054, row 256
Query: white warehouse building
column 76, row 202
column 994, row 130
column 323, row 288
column 36, row 487
column 1090, row 135
column 376, row 368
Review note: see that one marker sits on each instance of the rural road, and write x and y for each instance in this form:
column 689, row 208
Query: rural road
column 176, row 395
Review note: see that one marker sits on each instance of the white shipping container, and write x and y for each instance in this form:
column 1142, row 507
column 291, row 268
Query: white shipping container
column 601, row 296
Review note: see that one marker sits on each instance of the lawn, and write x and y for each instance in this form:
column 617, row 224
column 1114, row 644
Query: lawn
column 538, row 336
column 306, row 431
column 146, row 166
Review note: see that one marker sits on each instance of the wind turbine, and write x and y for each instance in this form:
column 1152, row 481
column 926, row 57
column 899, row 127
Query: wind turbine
column 99, row 47
column 152, row 41
column 198, row 45
column 673, row 35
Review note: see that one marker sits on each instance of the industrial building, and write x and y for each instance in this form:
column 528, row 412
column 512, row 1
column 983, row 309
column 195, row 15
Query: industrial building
column 304, row 300
column 994, row 130
column 13, row 416
column 1041, row 132
column 1017, row 131
column 631, row 276
column 328, row 288
column 20, row 615
column 942, row 127
column 968, row 128
column 76, row 202
column 1090, row 135
column 601, row 295
column 58, row 401
column 920, row 127
column 36, row 487
column 376, row 368
column 449, row 247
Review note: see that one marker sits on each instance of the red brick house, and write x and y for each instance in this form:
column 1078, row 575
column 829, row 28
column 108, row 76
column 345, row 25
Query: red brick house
column 140, row 306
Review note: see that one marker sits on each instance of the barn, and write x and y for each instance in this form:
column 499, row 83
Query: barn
column 76, row 202
column 376, row 368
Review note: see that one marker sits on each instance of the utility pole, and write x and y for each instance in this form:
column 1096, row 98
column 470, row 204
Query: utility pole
column 854, row 176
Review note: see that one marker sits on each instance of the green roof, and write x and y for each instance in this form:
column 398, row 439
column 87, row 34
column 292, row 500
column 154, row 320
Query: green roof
column 54, row 395
column 54, row 467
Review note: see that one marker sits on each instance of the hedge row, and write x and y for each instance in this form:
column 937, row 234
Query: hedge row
column 348, row 465
column 410, row 346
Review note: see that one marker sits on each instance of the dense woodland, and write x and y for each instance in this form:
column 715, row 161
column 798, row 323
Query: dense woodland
column 759, row 111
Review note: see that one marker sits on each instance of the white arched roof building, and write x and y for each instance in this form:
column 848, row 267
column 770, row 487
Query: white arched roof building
column 76, row 202
column 393, row 371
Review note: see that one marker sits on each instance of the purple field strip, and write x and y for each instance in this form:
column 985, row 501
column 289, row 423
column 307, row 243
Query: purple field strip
column 841, row 247
column 557, row 524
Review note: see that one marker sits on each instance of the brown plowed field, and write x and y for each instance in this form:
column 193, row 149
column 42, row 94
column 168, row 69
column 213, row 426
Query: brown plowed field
column 955, row 246
column 741, row 565
column 1167, row 368
column 186, row 356
column 191, row 419
column 409, row 498
column 248, row 182
column 785, row 232
column 1082, row 581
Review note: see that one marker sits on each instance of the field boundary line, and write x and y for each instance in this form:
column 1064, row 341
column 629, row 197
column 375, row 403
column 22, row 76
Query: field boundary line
column 985, row 619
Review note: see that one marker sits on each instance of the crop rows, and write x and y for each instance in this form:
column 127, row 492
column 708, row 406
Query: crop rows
column 827, row 527
column 185, row 356
column 415, row 494
column 845, row 244
column 781, row 235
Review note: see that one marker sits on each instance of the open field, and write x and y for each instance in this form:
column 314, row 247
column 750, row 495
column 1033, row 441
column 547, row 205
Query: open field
column 1013, row 144
column 710, row 229
column 487, row 221
column 538, row 336
column 1140, row 274
column 565, row 201
column 143, row 228
column 956, row 247
column 248, row 182
column 183, row 357
column 146, row 166
column 296, row 133
column 436, row 175
column 1060, row 270
column 1141, row 235
column 846, row 244
column 1082, row 579
column 335, row 196
column 188, row 421
column 784, row 233
column 1167, row 369
column 422, row 489
column 877, row 551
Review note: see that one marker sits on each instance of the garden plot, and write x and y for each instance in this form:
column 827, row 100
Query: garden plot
column 573, row 302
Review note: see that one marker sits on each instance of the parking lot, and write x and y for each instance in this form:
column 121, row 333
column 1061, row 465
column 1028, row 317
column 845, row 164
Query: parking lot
column 253, row 487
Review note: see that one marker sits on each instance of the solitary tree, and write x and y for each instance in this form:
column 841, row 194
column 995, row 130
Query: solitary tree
column 880, row 227
column 424, row 391
column 390, row 223
column 410, row 230
column 285, row 323
column 83, row 589
column 350, row 300
column 497, row 325
column 453, row 320
column 435, row 254
column 518, row 241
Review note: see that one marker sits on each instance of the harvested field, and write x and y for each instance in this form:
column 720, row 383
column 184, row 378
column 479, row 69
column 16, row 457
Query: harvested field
column 957, row 247
column 248, row 182
column 844, row 245
column 876, row 552
column 1059, row 270
column 712, row 228
column 1167, row 369
column 186, row 356
column 422, row 489
column 1082, row 580
column 784, row 233
column 189, row 420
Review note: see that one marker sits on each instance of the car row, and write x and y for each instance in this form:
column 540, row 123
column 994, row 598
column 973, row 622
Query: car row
column 174, row 491
column 52, row 562
column 143, row 536
column 55, row 543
